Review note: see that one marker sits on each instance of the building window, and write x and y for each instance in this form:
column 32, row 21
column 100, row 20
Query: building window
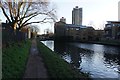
column 108, row 26
column 77, row 29
column 107, row 32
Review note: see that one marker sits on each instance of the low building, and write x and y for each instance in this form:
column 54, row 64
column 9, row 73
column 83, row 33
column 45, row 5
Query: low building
column 98, row 34
column 72, row 31
column 59, row 30
column 112, row 30
column 63, row 19
column 63, row 31
column 79, row 32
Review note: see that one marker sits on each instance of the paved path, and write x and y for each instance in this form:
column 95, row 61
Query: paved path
column 35, row 67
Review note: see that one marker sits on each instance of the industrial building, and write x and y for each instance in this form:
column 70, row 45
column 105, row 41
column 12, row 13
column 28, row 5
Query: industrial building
column 72, row 32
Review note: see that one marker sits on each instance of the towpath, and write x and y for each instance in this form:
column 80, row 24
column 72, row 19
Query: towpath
column 35, row 67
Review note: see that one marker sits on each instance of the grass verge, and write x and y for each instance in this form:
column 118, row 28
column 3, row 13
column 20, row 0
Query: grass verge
column 57, row 67
column 14, row 59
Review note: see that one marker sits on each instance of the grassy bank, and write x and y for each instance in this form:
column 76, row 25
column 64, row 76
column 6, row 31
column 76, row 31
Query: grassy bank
column 57, row 67
column 14, row 59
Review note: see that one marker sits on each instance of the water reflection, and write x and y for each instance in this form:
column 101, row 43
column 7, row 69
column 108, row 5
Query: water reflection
column 112, row 58
column 103, row 63
column 75, row 56
column 69, row 53
column 49, row 44
column 100, row 61
column 113, row 61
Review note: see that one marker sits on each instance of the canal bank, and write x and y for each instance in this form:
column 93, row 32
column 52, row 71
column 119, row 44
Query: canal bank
column 57, row 67
column 104, row 42
column 112, row 43
column 102, row 61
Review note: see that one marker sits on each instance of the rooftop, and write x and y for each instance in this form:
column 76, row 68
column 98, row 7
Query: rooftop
column 113, row 22
column 76, row 26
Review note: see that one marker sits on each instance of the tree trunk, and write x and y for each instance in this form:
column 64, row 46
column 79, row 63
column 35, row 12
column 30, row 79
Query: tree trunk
column 15, row 31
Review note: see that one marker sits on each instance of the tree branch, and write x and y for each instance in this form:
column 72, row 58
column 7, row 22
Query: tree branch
column 43, row 21
column 24, row 5
column 22, row 12
column 10, row 10
column 18, row 10
column 5, row 14
column 30, row 18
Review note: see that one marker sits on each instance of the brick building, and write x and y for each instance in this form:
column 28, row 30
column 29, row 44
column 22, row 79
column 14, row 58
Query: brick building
column 112, row 30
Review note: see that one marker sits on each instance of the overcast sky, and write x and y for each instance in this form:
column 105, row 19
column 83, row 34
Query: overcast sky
column 95, row 12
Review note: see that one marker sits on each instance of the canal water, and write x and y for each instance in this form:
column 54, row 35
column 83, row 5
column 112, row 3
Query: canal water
column 100, row 61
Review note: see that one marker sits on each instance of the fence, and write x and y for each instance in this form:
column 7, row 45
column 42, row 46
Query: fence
column 9, row 35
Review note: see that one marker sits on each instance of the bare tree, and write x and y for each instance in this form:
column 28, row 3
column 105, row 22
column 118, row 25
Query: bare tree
column 34, row 28
column 21, row 13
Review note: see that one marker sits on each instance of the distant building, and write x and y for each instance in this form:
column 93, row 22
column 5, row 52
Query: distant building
column 72, row 31
column 80, row 32
column 119, row 11
column 63, row 19
column 77, row 16
column 59, row 30
column 112, row 30
column 98, row 34
column 63, row 31
column 27, row 32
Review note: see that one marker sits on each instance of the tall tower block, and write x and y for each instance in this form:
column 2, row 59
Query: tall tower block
column 119, row 11
column 77, row 16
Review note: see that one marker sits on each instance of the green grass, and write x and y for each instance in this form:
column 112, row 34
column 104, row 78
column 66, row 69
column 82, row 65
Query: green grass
column 14, row 59
column 57, row 67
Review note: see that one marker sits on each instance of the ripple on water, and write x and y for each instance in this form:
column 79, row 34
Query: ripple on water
column 103, row 62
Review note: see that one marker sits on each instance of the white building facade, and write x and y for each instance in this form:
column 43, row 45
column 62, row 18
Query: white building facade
column 77, row 16
column 119, row 11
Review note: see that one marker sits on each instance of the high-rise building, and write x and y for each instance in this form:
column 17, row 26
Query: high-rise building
column 119, row 11
column 77, row 16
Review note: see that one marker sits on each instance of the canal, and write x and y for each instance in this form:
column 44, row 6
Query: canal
column 100, row 61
